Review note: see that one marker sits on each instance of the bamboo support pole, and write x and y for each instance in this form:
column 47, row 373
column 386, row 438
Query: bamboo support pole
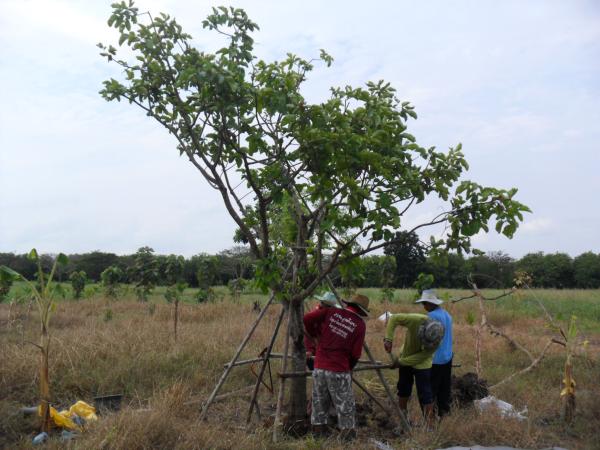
column 479, row 331
column 265, row 360
column 284, row 375
column 244, row 362
column 308, row 373
column 371, row 396
column 234, row 359
column 280, row 356
column 375, row 367
column 403, row 419
column 222, row 396
column 276, row 422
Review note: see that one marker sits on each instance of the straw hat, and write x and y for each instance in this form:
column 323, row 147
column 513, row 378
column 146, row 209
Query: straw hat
column 361, row 302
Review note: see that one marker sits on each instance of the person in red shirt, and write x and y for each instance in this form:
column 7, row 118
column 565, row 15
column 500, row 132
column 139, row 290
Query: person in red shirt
column 340, row 334
column 327, row 300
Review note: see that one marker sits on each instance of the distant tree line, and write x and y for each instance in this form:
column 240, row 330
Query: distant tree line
column 399, row 267
column 199, row 269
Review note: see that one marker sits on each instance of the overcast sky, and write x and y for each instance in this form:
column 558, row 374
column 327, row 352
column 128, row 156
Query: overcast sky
column 517, row 82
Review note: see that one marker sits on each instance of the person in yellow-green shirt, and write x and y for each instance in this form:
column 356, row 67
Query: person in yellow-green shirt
column 423, row 336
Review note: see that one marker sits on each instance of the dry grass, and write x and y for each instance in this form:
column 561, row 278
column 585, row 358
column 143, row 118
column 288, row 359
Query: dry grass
column 134, row 354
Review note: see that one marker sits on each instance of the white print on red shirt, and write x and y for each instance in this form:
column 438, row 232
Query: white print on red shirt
column 340, row 325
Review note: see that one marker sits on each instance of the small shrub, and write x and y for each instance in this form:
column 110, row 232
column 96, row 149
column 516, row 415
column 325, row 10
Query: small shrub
column 151, row 308
column 144, row 273
column 108, row 315
column 236, row 287
column 174, row 292
column 205, row 295
column 470, row 318
column 111, row 278
column 142, row 293
column 423, row 282
column 91, row 291
column 6, row 282
column 78, row 280
column 387, row 294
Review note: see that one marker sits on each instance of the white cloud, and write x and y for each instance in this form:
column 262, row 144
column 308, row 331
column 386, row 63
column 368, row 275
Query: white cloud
column 46, row 17
column 537, row 225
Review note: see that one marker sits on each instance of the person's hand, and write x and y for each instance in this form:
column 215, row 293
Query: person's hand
column 387, row 345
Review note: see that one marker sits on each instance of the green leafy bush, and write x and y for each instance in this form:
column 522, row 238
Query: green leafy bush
column 78, row 280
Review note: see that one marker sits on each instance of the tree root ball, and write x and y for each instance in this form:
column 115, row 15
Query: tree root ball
column 468, row 388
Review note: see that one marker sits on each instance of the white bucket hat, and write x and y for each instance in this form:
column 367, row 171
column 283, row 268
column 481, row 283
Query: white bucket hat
column 429, row 296
column 329, row 299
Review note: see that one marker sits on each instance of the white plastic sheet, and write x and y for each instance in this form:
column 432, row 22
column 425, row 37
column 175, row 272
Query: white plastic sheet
column 506, row 409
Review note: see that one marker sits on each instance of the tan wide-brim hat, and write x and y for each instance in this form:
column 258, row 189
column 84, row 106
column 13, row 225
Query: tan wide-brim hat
column 361, row 302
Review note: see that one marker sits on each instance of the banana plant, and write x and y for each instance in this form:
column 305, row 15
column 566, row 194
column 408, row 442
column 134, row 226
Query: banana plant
column 567, row 393
column 43, row 291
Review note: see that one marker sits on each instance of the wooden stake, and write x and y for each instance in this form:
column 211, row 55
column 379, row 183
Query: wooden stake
column 403, row 420
column 308, row 373
column 234, row 359
column 276, row 423
column 222, row 396
column 44, row 380
column 263, row 366
column 482, row 324
column 371, row 396
column 243, row 362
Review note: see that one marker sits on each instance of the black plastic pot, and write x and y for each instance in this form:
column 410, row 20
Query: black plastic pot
column 108, row 403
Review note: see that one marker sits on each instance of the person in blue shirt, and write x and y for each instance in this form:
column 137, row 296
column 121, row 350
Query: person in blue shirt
column 441, row 369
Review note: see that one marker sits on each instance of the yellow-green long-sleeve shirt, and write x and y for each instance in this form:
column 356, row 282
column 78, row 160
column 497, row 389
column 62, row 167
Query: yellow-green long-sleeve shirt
column 412, row 353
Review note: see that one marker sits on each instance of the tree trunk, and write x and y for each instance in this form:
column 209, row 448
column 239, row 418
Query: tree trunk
column 44, row 380
column 297, row 418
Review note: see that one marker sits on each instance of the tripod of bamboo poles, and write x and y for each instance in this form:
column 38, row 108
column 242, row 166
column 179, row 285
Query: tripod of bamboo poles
column 267, row 355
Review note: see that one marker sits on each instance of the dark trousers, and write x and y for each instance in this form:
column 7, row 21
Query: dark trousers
column 421, row 377
column 441, row 384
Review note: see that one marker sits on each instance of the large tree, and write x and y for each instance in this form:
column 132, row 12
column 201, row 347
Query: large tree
column 586, row 268
column 144, row 272
column 409, row 254
column 494, row 270
column 310, row 186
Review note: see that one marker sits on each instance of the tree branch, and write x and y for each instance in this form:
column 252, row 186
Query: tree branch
column 532, row 366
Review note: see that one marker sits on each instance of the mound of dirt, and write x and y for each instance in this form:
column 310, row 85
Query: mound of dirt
column 467, row 388
column 363, row 412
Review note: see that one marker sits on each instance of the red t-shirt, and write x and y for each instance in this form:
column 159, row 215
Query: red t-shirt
column 341, row 334
column 310, row 343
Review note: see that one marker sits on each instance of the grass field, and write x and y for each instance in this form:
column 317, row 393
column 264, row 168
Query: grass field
column 131, row 350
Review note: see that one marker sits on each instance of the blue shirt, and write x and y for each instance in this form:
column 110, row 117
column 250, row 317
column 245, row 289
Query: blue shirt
column 443, row 354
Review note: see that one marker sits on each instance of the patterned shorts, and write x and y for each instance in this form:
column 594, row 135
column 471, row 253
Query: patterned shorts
column 333, row 387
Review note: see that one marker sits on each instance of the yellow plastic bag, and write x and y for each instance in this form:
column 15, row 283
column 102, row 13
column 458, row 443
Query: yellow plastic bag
column 82, row 409
column 64, row 419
